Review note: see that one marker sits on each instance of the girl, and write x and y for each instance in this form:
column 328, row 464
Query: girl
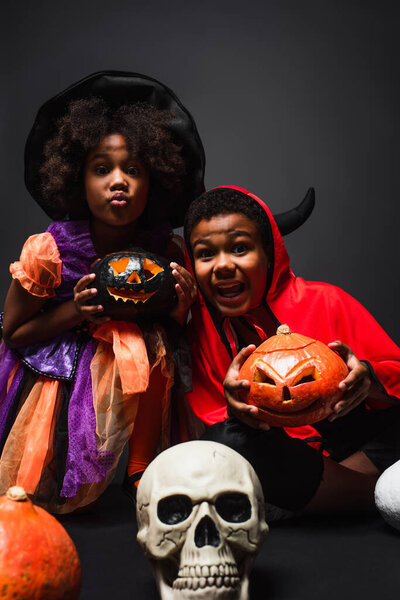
column 114, row 173
column 246, row 290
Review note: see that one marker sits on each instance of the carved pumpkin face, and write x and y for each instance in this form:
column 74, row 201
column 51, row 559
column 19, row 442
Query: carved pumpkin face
column 134, row 284
column 293, row 379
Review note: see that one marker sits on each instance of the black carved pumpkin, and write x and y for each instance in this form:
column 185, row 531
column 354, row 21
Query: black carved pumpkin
column 134, row 284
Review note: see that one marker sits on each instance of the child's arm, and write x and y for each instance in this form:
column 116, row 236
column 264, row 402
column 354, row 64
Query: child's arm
column 358, row 385
column 232, row 388
column 25, row 324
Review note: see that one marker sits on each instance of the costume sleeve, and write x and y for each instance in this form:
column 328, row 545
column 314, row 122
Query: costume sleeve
column 39, row 267
column 207, row 396
column 327, row 313
column 210, row 361
column 355, row 326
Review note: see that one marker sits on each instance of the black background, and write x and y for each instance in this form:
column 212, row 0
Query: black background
column 335, row 558
column 286, row 95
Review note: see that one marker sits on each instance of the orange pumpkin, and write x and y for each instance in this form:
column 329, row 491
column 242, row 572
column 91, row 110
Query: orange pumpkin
column 293, row 379
column 38, row 560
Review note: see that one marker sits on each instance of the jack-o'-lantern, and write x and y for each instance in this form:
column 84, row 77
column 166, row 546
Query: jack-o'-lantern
column 293, row 379
column 134, row 284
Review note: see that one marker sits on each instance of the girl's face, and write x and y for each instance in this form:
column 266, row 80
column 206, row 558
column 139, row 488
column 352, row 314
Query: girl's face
column 116, row 183
column 230, row 262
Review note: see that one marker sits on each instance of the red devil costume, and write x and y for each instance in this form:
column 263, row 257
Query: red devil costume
column 318, row 310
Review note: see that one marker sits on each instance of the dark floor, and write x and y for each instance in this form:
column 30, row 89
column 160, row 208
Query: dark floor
column 303, row 559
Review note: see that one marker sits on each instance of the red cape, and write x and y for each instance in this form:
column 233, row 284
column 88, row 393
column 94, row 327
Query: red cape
column 318, row 310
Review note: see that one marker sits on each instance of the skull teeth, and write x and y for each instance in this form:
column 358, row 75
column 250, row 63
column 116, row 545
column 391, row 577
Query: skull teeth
column 195, row 577
column 193, row 583
column 208, row 570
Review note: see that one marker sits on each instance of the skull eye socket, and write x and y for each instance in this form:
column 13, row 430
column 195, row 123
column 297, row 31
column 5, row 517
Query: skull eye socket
column 151, row 268
column 174, row 509
column 233, row 507
column 261, row 377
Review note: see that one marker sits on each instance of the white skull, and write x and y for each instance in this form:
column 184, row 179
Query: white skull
column 200, row 511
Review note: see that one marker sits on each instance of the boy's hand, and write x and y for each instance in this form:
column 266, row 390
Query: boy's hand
column 82, row 294
column 186, row 291
column 357, row 384
column 233, row 385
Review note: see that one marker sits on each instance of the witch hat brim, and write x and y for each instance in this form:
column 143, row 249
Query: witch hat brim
column 118, row 88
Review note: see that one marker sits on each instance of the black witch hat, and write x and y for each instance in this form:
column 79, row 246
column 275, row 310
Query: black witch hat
column 118, row 88
column 122, row 87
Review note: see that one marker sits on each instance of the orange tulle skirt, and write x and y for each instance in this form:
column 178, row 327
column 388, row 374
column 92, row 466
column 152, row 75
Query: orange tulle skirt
column 131, row 390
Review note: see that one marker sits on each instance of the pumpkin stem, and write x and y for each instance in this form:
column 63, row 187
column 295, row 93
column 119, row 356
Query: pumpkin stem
column 17, row 493
column 283, row 330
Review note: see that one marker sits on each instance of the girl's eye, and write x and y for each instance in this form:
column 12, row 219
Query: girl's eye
column 101, row 170
column 133, row 171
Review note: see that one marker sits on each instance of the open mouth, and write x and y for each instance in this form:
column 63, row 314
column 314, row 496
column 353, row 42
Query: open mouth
column 129, row 295
column 232, row 290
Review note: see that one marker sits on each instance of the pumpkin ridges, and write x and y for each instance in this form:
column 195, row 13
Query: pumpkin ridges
column 280, row 347
column 63, row 553
column 38, row 560
column 287, row 400
column 39, row 572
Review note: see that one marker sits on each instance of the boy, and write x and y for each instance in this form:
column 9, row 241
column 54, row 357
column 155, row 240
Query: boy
column 246, row 290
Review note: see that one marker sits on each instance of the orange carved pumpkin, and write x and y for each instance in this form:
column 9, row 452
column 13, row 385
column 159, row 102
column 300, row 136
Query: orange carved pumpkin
column 38, row 560
column 293, row 379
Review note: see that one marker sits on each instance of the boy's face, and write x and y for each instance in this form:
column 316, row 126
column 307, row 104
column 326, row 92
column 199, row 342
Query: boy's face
column 230, row 262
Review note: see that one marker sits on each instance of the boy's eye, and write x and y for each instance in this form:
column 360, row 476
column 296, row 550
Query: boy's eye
column 239, row 248
column 101, row 170
column 204, row 253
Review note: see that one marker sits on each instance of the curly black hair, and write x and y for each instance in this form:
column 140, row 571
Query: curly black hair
column 221, row 201
column 85, row 124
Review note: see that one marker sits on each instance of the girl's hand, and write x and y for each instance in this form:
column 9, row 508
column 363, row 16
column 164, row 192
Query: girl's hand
column 233, row 385
column 186, row 290
column 357, row 384
column 82, row 294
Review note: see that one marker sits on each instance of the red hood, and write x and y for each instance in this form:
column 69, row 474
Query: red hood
column 281, row 273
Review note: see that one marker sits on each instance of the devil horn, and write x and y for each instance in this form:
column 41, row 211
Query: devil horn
column 292, row 219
